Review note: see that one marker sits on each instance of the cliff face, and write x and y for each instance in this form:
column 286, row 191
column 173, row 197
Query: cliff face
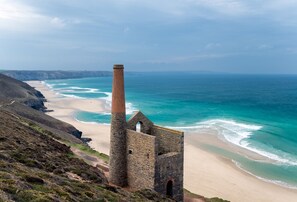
column 20, row 98
column 42, row 119
column 47, row 75
column 14, row 90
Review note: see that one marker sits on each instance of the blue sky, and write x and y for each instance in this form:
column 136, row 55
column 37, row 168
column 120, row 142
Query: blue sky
column 238, row 36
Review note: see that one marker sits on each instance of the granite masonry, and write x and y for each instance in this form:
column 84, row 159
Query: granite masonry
column 142, row 154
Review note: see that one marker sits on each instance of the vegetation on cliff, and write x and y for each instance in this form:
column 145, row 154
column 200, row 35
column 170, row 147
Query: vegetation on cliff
column 36, row 167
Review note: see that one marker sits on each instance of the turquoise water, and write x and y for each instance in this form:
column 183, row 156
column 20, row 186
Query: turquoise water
column 256, row 112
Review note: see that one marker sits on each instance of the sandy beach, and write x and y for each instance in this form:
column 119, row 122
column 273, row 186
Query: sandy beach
column 206, row 173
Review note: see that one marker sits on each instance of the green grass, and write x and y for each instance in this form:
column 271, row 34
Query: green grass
column 81, row 147
column 88, row 150
column 38, row 129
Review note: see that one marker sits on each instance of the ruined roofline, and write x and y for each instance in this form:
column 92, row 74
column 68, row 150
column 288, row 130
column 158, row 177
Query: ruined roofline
column 139, row 113
column 134, row 114
column 177, row 132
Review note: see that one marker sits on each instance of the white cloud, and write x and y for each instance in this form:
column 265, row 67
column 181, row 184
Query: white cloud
column 282, row 11
column 11, row 10
column 57, row 22
column 15, row 16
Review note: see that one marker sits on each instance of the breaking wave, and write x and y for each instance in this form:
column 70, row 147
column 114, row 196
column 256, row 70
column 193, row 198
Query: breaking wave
column 130, row 109
column 75, row 89
column 239, row 134
column 71, row 96
column 277, row 182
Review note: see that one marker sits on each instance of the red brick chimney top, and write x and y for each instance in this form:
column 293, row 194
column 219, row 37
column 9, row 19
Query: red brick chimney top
column 118, row 90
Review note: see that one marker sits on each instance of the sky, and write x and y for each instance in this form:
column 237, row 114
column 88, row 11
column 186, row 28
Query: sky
column 233, row 36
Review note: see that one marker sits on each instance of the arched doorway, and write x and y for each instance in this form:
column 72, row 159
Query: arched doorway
column 169, row 188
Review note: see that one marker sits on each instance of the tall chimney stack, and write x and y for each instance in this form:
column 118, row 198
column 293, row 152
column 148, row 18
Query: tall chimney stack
column 117, row 160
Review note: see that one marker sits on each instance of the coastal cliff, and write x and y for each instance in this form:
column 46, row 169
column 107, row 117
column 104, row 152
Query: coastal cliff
column 23, row 100
column 43, row 159
column 14, row 90
column 48, row 75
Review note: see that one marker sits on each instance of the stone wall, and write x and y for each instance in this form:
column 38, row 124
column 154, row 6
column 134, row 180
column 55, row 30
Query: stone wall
column 169, row 167
column 168, row 140
column 140, row 160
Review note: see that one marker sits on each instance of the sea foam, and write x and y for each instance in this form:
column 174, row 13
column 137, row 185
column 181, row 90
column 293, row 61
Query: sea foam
column 75, row 89
column 232, row 131
column 130, row 109
column 71, row 96
column 239, row 134
column 277, row 182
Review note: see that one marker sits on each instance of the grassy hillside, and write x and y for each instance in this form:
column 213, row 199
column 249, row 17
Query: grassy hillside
column 36, row 167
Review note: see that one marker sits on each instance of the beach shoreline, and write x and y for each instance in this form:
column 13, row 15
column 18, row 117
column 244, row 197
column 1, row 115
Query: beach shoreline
column 206, row 173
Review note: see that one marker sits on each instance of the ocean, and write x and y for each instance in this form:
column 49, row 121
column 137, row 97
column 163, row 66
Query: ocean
column 254, row 112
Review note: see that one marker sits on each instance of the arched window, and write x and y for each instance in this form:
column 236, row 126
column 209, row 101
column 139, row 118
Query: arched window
column 138, row 126
column 169, row 188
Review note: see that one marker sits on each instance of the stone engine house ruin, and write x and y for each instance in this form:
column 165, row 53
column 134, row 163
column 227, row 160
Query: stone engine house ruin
column 144, row 157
